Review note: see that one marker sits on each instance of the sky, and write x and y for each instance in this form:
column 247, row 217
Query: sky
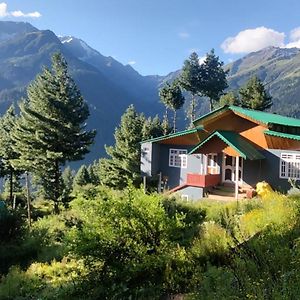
column 156, row 36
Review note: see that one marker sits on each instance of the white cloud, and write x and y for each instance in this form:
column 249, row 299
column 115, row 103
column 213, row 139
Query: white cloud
column 294, row 39
column 295, row 44
column 17, row 13
column 184, row 35
column 131, row 62
column 295, row 34
column 3, row 9
column 250, row 40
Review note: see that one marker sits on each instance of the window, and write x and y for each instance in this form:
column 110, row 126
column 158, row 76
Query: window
column 178, row 158
column 289, row 165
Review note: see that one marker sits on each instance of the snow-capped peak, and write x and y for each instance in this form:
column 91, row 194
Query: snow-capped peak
column 66, row 39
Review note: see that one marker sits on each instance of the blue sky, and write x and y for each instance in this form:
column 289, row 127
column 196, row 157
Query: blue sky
column 155, row 36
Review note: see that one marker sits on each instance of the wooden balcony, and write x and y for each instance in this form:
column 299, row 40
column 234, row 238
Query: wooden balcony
column 203, row 180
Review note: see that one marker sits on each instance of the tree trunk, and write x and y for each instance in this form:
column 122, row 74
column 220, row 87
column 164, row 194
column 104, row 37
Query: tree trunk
column 192, row 111
column 28, row 198
column 11, row 174
column 56, row 193
column 174, row 120
column 211, row 105
column 166, row 121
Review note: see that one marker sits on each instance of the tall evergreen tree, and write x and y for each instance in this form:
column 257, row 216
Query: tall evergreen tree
column 7, row 153
column 124, row 162
column 51, row 127
column 191, row 80
column 214, row 80
column 82, row 177
column 153, row 127
column 173, row 99
column 67, row 179
column 254, row 96
column 92, row 170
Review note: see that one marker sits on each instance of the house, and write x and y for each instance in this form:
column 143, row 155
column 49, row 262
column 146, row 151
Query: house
column 230, row 146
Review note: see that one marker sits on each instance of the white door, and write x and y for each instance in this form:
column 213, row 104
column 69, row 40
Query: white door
column 229, row 169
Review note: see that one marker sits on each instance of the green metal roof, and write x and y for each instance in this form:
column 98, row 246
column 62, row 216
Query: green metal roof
column 220, row 109
column 259, row 116
column 236, row 141
column 282, row 135
column 265, row 117
column 172, row 135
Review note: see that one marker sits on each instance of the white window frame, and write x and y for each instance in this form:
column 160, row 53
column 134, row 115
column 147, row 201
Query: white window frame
column 178, row 158
column 289, row 166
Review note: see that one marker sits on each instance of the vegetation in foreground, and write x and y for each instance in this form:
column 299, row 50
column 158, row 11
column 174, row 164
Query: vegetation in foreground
column 129, row 245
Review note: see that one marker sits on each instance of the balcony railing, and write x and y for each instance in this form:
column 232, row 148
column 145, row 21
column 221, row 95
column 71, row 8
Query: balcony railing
column 203, row 180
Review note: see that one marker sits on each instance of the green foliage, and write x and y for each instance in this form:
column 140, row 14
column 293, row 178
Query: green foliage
column 229, row 98
column 130, row 245
column 213, row 78
column 82, row 177
column 51, row 128
column 207, row 79
column 254, row 96
column 191, row 80
column 124, row 161
column 153, row 127
column 7, row 152
column 57, row 280
column 171, row 96
column 11, row 225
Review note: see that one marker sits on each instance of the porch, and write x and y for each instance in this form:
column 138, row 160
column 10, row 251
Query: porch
column 224, row 154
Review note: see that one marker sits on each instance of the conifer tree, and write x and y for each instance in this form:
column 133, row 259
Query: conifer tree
column 67, row 179
column 124, row 162
column 254, row 96
column 229, row 98
column 82, row 177
column 153, row 127
column 213, row 79
column 93, row 176
column 191, row 80
column 51, row 127
column 7, row 153
column 172, row 98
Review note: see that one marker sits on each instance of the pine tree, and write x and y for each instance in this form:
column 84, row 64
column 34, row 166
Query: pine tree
column 124, row 162
column 172, row 98
column 214, row 80
column 153, row 127
column 7, row 153
column 191, row 80
column 229, row 98
column 67, row 179
column 82, row 177
column 51, row 127
column 254, row 96
column 93, row 176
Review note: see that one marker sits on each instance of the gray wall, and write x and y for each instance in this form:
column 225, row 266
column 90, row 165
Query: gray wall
column 193, row 193
column 267, row 169
column 177, row 176
column 146, row 159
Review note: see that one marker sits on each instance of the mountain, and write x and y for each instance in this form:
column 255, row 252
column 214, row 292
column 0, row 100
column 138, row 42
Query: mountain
column 125, row 76
column 110, row 87
column 26, row 50
column 279, row 69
